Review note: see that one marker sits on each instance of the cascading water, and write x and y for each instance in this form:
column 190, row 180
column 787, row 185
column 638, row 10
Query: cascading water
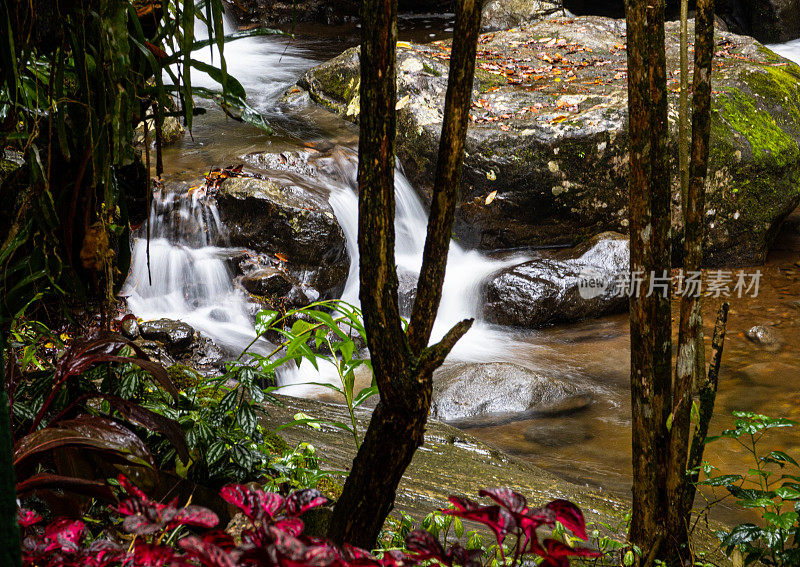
column 790, row 50
column 187, row 277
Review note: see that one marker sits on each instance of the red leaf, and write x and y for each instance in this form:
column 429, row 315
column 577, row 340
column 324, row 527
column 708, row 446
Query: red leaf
column 426, row 546
column 304, row 500
column 194, row 516
column 64, row 534
column 27, row 517
column 514, row 502
column 208, row 553
column 93, row 488
column 570, row 515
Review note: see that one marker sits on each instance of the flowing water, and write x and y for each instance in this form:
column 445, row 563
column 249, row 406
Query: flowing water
column 191, row 281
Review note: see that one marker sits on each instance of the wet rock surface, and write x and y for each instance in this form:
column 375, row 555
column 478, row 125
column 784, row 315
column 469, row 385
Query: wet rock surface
column 468, row 392
column 290, row 223
column 267, row 281
column 175, row 335
column 569, row 286
column 169, row 342
column 547, row 151
column 505, row 14
column 764, row 337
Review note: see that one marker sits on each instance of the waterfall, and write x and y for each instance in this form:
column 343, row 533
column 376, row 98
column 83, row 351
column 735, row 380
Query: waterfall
column 188, row 276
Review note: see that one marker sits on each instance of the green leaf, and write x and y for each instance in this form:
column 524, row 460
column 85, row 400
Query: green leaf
column 783, row 521
column 364, row 395
column 695, row 413
column 247, row 419
column 215, row 452
column 264, row 320
column 788, row 493
column 243, row 457
column 722, row 480
column 743, row 533
column 780, row 458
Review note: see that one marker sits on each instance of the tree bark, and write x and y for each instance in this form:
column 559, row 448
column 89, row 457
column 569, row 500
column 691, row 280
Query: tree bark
column 691, row 356
column 402, row 363
column 649, row 186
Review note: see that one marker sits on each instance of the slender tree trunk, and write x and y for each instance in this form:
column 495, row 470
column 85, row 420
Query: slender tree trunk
column 403, row 364
column 690, row 334
column 649, row 186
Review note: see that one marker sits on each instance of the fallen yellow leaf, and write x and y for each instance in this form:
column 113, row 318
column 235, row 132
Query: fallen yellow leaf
column 490, row 197
column 402, row 103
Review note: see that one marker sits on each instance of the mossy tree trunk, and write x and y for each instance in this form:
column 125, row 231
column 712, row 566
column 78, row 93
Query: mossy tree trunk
column 403, row 363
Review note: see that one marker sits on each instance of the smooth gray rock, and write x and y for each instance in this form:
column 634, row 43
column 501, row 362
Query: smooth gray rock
column 468, row 391
column 764, row 336
column 579, row 284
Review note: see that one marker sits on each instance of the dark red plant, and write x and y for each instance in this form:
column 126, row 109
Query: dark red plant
column 275, row 535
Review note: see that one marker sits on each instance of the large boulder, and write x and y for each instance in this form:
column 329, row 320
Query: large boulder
column 469, row 392
column 589, row 281
column 769, row 21
column 547, row 150
column 289, row 221
column 505, row 14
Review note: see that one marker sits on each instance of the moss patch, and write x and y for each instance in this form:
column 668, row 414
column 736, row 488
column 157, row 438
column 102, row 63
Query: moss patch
column 766, row 138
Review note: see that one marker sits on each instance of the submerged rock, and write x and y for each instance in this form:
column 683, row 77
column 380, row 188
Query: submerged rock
column 579, row 284
column 469, row 391
column 547, row 152
column 764, row 336
column 289, row 221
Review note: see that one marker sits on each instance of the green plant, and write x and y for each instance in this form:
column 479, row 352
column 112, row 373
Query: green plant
column 766, row 488
column 318, row 336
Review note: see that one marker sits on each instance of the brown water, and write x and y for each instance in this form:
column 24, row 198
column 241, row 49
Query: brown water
column 593, row 446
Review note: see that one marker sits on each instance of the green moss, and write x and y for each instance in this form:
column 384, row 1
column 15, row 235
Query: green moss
column 767, row 139
column 184, row 377
column 780, row 85
column 430, row 70
column 276, row 443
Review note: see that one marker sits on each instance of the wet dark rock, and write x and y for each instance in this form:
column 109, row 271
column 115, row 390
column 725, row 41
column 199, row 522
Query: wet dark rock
column 580, row 284
column 769, row 21
column 155, row 351
column 764, row 336
column 468, row 391
column 557, row 174
column 176, row 336
column 267, row 282
column 273, row 219
column 129, row 328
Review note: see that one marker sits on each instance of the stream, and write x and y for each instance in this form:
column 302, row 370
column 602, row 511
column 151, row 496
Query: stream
column 590, row 447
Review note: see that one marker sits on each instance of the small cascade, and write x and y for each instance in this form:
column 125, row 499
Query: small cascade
column 187, row 277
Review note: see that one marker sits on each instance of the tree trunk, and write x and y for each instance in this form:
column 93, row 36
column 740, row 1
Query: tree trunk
column 690, row 335
column 403, row 364
column 649, row 187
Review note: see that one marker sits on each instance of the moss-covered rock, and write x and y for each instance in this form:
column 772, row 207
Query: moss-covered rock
column 547, row 151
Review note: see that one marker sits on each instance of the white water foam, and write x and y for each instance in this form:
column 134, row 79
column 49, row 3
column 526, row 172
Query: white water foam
column 191, row 281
